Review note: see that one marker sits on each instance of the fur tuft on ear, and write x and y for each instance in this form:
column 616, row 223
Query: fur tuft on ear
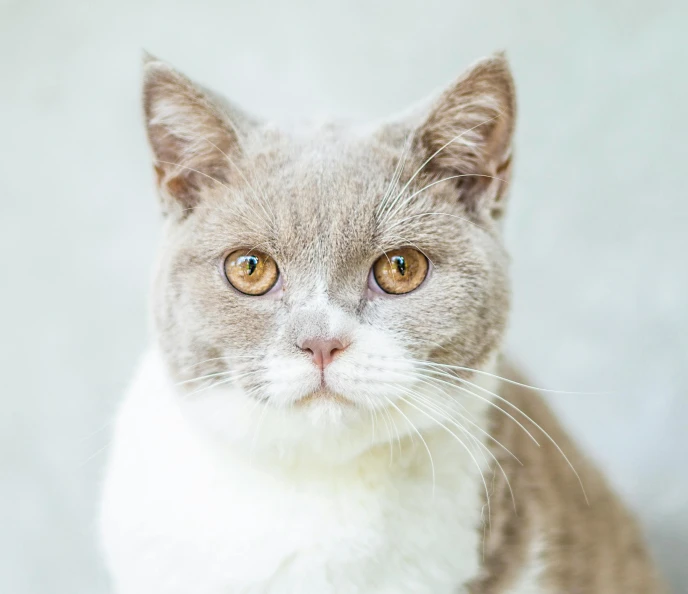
column 190, row 134
column 468, row 134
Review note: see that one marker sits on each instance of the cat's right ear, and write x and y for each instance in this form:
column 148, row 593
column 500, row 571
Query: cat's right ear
column 191, row 136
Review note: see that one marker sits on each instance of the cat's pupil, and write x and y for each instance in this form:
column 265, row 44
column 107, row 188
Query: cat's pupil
column 251, row 263
column 400, row 264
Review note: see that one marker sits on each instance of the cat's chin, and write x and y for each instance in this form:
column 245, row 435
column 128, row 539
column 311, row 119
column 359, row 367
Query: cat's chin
column 325, row 411
column 323, row 397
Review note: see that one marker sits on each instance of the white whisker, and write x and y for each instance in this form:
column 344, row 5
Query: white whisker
column 226, row 358
column 486, row 400
column 418, row 433
column 439, row 150
column 220, row 383
column 405, row 202
column 428, row 381
column 263, row 203
column 445, row 415
column 398, row 170
column 539, row 427
column 515, row 383
column 195, row 171
column 460, row 441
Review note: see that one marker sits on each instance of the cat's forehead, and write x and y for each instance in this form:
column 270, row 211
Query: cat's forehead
column 328, row 180
column 328, row 161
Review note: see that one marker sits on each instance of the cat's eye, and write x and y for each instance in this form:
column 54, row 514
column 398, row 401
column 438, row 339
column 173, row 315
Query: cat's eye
column 400, row 271
column 251, row 272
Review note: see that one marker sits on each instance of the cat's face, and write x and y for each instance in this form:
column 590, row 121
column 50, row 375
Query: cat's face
column 316, row 281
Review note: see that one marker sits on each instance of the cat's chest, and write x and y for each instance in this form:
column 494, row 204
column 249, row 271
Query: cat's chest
column 179, row 517
column 179, row 523
column 255, row 533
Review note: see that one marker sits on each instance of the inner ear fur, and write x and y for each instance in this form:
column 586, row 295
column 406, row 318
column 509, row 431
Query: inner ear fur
column 189, row 133
column 468, row 134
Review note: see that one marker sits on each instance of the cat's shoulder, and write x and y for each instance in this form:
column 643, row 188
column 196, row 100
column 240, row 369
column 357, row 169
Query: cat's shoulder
column 555, row 522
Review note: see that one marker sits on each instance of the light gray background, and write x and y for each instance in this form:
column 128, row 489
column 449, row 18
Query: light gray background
column 598, row 226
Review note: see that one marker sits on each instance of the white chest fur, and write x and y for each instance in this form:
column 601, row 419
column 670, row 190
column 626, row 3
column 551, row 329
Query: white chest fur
column 180, row 517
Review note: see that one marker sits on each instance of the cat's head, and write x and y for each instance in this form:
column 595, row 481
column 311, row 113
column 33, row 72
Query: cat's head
column 314, row 280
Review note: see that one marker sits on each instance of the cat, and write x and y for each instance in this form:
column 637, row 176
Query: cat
column 325, row 408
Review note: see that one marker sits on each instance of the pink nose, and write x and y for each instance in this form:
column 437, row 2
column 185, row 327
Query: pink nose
column 322, row 350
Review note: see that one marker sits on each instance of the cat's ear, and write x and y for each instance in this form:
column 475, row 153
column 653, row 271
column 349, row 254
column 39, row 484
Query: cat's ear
column 190, row 133
column 468, row 134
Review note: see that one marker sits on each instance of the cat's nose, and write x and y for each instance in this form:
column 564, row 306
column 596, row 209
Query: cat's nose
column 322, row 350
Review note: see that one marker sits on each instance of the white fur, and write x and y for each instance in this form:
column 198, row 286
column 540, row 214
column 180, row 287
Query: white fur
column 187, row 513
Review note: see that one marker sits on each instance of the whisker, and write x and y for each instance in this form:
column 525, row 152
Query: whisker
column 225, row 358
column 417, row 339
column 373, row 411
column 403, row 203
column 539, row 427
column 389, row 423
column 509, row 381
column 428, row 381
column 96, row 432
column 390, row 213
column 413, row 245
column 487, row 494
column 202, row 377
column 396, row 175
column 444, row 146
column 415, row 429
column 195, row 171
column 219, row 383
column 443, row 412
column 96, row 454
column 256, row 432
column 270, row 215
column 427, row 214
column 487, row 401
column 396, row 431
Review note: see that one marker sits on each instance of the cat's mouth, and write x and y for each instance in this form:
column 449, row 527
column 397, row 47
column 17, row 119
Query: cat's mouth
column 323, row 394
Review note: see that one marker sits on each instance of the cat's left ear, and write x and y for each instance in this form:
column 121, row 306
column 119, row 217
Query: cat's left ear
column 468, row 134
column 192, row 137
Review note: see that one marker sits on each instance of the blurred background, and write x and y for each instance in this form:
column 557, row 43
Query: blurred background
column 598, row 226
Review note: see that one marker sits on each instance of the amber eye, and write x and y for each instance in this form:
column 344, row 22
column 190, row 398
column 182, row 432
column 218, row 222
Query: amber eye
column 251, row 272
column 400, row 271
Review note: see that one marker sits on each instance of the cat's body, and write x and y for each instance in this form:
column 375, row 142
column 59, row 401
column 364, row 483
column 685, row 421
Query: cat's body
column 323, row 411
column 378, row 525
